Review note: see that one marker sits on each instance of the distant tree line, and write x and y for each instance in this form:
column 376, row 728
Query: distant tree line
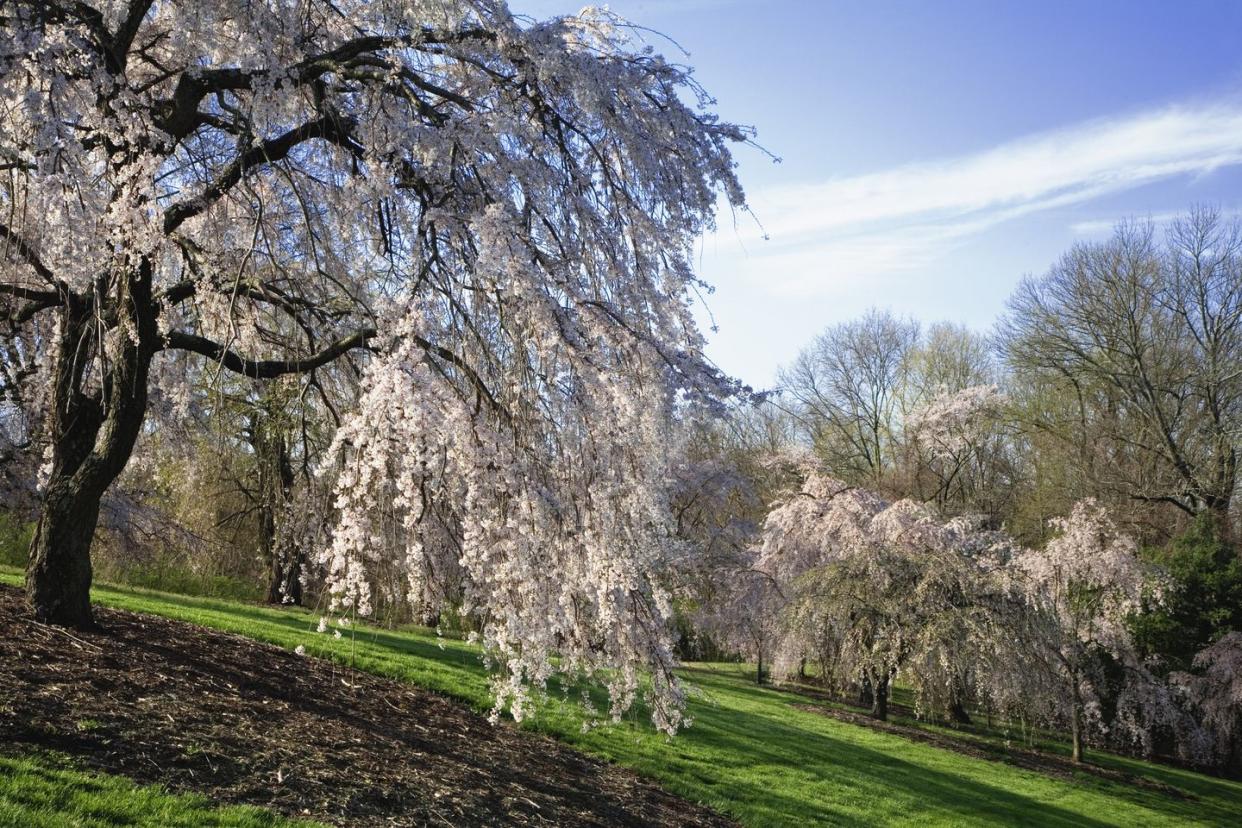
column 1037, row 522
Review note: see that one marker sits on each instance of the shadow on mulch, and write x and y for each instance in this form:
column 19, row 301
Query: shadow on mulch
column 166, row 702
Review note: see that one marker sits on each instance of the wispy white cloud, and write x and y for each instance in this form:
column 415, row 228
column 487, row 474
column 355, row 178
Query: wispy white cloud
column 903, row 218
column 1105, row 226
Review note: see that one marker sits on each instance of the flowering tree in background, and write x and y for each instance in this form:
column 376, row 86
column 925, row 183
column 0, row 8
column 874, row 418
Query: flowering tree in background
column 1215, row 689
column 744, row 616
column 731, row 468
column 873, row 588
column 957, row 435
column 1082, row 585
column 502, row 211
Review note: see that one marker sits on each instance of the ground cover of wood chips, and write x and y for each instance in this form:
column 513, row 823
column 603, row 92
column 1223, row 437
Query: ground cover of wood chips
column 193, row 709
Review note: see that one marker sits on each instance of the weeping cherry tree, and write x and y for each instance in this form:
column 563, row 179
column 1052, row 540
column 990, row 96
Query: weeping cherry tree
column 495, row 214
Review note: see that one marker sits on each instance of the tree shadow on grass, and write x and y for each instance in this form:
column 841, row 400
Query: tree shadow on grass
column 718, row 759
column 748, row 747
column 742, row 740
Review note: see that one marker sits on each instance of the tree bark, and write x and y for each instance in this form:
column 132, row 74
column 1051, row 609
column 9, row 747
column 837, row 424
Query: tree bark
column 285, row 584
column 58, row 576
column 1076, row 754
column 865, row 695
column 92, row 435
column 1076, row 734
column 275, row 490
column 957, row 707
column 879, row 698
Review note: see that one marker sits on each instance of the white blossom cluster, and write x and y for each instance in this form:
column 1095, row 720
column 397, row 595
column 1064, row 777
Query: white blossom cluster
column 1089, row 577
column 951, row 422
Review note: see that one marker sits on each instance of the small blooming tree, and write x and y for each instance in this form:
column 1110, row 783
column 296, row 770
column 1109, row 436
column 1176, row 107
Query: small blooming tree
column 744, row 616
column 877, row 588
column 1081, row 587
column 502, row 211
column 1214, row 689
column 956, row 436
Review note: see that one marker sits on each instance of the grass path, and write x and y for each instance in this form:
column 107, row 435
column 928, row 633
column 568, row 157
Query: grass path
column 749, row 753
column 43, row 792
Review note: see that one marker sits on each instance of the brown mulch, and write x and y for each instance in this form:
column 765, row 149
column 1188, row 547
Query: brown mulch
column 1029, row 759
column 162, row 701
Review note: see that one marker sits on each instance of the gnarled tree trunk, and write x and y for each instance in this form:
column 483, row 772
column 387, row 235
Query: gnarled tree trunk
column 92, row 434
column 58, row 576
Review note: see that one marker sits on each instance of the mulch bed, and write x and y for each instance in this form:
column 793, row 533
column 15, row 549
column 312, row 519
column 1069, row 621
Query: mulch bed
column 1026, row 758
column 193, row 709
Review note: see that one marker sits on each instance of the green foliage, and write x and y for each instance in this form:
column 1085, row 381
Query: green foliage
column 1203, row 598
column 170, row 575
column 691, row 642
column 43, row 791
column 15, row 537
column 750, row 753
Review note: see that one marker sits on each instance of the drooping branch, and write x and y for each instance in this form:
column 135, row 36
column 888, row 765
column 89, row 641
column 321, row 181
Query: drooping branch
column 27, row 253
column 460, row 364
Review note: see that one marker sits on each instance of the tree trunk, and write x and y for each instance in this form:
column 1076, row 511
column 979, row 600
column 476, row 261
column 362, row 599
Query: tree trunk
column 879, row 698
column 58, row 575
column 957, row 706
column 759, row 668
column 285, row 585
column 866, row 698
column 92, row 435
column 1076, row 711
column 1076, row 754
column 275, row 490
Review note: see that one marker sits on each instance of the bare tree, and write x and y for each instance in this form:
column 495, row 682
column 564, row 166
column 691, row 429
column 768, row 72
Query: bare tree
column 845, row 389
column 1143, row 340
column 948, row 359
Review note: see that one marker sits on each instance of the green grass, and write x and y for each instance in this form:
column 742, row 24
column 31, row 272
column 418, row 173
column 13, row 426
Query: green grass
column 15, row 538
column 749, row 753
column 44, row 791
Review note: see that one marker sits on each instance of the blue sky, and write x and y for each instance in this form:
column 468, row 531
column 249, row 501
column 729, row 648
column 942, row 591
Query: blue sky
column 934, row 153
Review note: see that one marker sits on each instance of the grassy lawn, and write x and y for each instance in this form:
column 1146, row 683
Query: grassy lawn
column 44, row 792
column 750, row 754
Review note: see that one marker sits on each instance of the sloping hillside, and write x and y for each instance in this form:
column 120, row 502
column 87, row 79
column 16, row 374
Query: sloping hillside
column 196, row 709
column 760, row 756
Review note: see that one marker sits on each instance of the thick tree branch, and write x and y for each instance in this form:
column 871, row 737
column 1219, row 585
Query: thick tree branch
column 43, row 297
column 265, row 369
column 181, row 115
column 325, row 127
